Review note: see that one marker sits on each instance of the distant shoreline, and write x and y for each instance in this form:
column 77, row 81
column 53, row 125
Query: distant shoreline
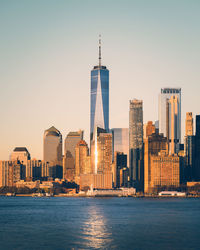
column 101, row 196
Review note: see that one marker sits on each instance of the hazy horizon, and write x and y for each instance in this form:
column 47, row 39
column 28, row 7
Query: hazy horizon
column 48, row 49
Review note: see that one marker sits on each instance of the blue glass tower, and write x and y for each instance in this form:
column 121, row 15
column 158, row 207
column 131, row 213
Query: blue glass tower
column 99, row 97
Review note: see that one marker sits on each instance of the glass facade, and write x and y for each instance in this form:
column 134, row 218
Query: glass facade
column 136, row 143
column 99, row 99
column 52, row 146
column 121, row 141
column 164, row 96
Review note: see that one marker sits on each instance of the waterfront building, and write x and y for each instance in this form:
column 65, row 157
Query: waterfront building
column 96, row 181
column 29, row 184
column 99, row 97
column 136, row 143
column 37, row 169
column 165, row 171
column 153, row 144
column 164, row 96
column 71, row 141
column 52, row 146
column 121, row 141
column 10, row 173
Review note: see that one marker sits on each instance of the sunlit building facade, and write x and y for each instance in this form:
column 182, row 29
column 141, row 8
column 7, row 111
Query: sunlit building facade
column 153, row 144
column 136, row 157
column 10, row 172
column 69, row 161
column 20, row 154
column 165, row 170
column 82, row 151
column 148, row 129
column 99, row 97
column 173, row 125
column 52, row 146
column 164, row 96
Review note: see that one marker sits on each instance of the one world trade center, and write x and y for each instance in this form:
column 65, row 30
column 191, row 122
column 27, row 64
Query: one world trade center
column 99, row 97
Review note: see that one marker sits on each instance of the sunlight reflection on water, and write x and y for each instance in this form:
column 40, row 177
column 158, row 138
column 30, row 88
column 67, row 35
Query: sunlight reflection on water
column 95, row 230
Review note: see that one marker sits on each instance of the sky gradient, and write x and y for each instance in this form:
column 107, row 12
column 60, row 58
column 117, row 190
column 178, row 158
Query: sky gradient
column 48, row 48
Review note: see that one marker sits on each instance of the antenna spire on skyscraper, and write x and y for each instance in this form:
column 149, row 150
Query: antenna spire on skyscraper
column 99, row 50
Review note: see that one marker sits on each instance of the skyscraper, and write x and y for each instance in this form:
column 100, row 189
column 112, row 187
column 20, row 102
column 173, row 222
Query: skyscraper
column 153, row 144
column 136, row 143
column 196, row 172
column 20, row 154
column 71, row 141
column 173, row 124
column 82, row 166
column 189, row 147
column 99, row 97
column 189, row 124
column 121, row 141
column 148, row 129
column 164, row 96
column 52, row 146
column 120, row 170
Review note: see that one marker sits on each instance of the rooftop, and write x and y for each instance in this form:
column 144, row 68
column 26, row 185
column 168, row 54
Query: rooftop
column 20, row 149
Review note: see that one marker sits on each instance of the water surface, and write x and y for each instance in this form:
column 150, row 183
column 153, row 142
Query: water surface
column 99, row 223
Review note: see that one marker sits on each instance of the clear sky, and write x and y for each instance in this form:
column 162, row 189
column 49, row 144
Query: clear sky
column 47, row 49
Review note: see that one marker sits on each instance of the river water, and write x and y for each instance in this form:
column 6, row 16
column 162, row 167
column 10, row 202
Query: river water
column 99, row 223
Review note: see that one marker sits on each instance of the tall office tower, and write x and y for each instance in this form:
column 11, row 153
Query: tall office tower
column 189, row 124
column 148, row 129
column 189, row 147
column 164, row 96
column 173, row 128
column 136, row 143
column 120, row 170
column 103, row 162
column 71, row 141
column 36, row 170
column 20, row 154
column 157, row 125
column 52, row 146
column 196, row 172
column 81, row 158
column 99, row 97
column 10, row 173
column 153, row 144
column 121, row 141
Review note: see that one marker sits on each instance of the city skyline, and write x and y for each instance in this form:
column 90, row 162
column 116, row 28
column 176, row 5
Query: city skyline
column 41, row 74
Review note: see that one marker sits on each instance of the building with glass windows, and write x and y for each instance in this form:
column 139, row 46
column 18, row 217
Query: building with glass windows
column 164, row 97
column 52, row 146
column 121, row 141
column 71, row 141
column 99, row 97
column 136, row 143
